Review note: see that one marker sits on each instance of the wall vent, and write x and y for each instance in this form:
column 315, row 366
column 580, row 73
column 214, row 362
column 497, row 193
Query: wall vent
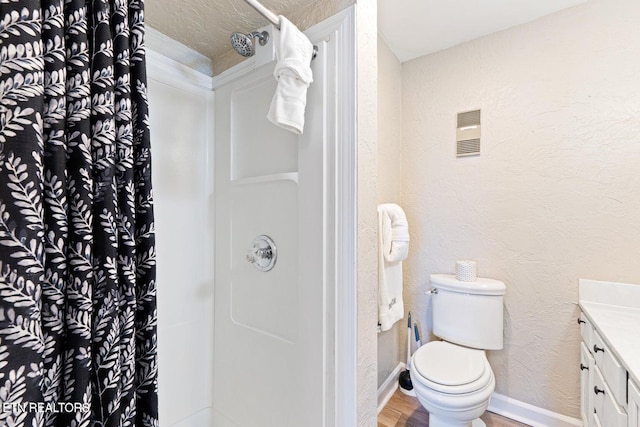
column 468, row 134
column 468, row 147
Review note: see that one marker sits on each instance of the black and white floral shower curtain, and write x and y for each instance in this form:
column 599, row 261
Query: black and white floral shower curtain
column 77, row 258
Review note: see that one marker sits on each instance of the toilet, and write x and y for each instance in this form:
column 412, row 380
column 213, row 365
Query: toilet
column 452, row 378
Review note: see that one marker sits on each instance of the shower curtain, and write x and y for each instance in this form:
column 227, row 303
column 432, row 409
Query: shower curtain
column 77, row 258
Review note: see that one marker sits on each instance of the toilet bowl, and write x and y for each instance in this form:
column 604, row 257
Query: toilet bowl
column 453, row 383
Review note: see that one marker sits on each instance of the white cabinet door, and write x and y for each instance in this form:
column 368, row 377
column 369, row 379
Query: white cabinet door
column 633, row 405
column 612, row 370
column 607, row 410
column 586, row 330
column 587, row 363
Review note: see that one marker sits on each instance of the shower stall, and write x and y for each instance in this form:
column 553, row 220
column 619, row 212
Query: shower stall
column 271, row 292
column 276, row 244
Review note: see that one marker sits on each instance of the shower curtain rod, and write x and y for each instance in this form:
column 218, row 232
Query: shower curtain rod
column 272, row 17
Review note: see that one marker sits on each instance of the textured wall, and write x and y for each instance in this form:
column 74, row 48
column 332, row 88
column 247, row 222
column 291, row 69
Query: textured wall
column 390, row 348
column 367, row 116
column 555, row 195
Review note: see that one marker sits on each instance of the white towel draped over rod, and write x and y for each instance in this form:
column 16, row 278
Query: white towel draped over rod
column 272, row 17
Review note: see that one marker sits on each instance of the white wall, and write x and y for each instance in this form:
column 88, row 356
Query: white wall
column 555, row 194
column 390, row 349
column 181, row 113
column 367, row 259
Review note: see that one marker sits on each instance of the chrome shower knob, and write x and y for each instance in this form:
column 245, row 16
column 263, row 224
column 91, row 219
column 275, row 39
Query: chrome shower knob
column 262, row 253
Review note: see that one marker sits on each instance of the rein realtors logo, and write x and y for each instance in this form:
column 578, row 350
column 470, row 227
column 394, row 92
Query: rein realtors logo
column 54, row 407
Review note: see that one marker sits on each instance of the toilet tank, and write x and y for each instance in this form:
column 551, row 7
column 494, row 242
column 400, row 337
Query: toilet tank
column 468, row 313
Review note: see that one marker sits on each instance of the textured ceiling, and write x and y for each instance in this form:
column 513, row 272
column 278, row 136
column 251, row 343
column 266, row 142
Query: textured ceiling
column 411, row 28
column 205, row 25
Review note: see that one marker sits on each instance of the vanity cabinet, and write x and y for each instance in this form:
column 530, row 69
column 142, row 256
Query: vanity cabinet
column 609, row 353
column 603, row 381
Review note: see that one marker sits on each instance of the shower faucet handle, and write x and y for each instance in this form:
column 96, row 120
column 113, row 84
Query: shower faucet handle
column 256, row 254
column 262, row 253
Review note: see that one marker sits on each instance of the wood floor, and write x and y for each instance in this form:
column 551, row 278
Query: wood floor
column 406, row 411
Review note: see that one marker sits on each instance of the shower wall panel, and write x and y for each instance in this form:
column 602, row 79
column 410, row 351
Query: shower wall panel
column 256, row 208
column 269, row 327
column 181, row 134
column 259, row 149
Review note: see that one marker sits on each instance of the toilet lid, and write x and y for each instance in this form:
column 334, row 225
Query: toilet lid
column 448, row 364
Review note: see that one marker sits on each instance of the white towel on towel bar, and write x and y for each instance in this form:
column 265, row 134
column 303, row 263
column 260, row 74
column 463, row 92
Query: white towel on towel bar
column 393, row 248
column 294, row 75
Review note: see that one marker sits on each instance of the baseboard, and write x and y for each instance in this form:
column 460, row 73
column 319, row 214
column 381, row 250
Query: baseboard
column 389, row 386
column 499, row 404
column 529, row 414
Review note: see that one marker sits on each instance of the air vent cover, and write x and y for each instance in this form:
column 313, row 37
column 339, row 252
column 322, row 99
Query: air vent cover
column 468, row 147
column 468, row 134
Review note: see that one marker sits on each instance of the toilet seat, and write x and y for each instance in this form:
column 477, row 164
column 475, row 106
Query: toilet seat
column 450, row 368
